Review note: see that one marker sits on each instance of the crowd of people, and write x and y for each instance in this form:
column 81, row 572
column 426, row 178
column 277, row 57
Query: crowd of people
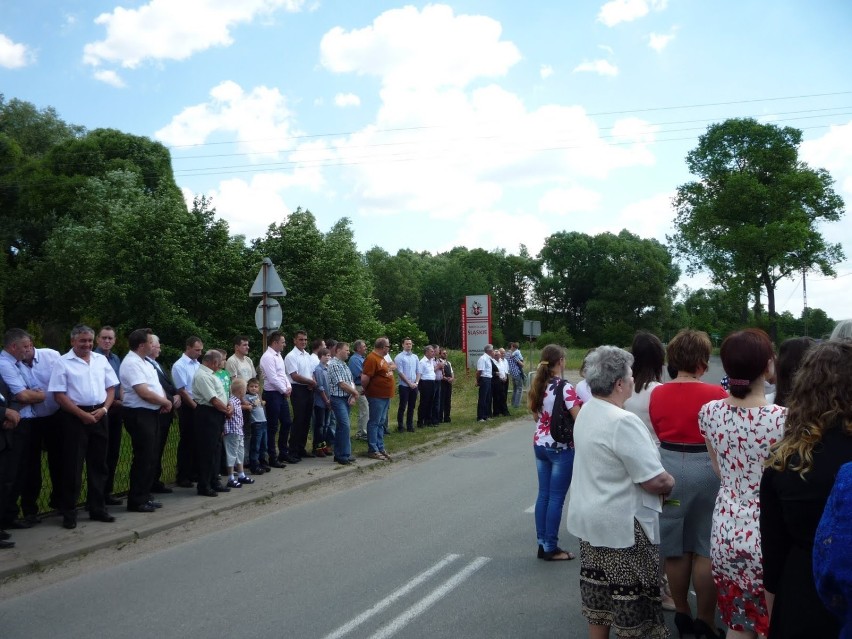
column 683, row 484
column 235, row 420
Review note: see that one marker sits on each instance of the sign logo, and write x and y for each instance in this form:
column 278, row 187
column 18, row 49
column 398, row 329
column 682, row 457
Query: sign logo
column 476, row 308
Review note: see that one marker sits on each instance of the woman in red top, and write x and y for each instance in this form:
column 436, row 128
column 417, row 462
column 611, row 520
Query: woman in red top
column 685, row 527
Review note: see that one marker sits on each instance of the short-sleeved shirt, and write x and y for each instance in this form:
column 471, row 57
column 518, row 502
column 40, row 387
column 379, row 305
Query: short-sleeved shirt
column 183, row 372
column 84, row 383
column 542, row 435
column 356, row 365
column 406, row 364
column 426, row 368
column 615, row 454
column 206, row 386
column 674, row 410
column 134, row 371
column 17, row 383
column 381, row 379
column 484, row 365
column 38, row 376
column 234, row 423
column 299, row 362
column 339, row 372
column 240, row 367
column 258, row 415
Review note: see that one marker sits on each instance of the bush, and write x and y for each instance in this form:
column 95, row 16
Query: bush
column 401, row 328
column 561, row 337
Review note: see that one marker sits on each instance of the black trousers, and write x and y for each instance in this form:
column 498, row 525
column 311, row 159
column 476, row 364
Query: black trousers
column 44, row 436
column 143, row 426
column 427, row 396
column 446, row 400
column 407, row 402
column 302, row 399
column 116, row 417
column 165, row 420
column 83, row 443
column 17, row 444
column 498, row 397
column 187, row 462
column 209, row 427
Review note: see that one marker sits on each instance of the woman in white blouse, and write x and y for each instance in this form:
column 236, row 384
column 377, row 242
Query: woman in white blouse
column 614, row 505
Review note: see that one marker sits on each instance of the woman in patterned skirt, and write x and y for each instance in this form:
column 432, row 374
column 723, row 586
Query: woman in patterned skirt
column 738, row 431
column 614, row 506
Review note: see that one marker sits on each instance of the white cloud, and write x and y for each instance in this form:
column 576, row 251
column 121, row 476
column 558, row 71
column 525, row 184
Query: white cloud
column 563, row 201
column 616, row 11
column 169, row 30
column 833, row 151
column 601, row 67
column 259, row 120
column 491, row 229
column 546, row 71
column 347, row 100
column 651, row 217
column 607, row 48
column 659, row 41
column 109, row 77
column 428, row 48
column 14, row 55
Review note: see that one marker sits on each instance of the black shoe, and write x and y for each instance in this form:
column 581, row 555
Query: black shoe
column 4, row 535
column 17, row 524
column 208, row 493
column 141, row 508
column 161, row 489
column 684, row 624
column 5, row 544
column 219, row 488
column 702, row 630
column 400, row 429
column 155, row 504
column 290, row 459
column 276, row 464
column 102, row 516
column 256, row 470
column 184, row 483
column 342, row 461
column 69, row 523
column 410, row 430
column 32, row 520
column 111, row 500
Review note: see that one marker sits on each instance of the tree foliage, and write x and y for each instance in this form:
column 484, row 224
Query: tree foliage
column 751, row 219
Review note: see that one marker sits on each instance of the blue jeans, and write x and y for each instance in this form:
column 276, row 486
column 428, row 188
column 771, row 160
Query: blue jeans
column 483, row 404
column 342, row 443
column 517, row 391
column 554, row 467
column 258, row 443
column 376, row 423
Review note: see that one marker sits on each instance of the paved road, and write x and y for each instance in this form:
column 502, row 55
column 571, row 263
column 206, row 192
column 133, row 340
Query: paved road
column 440, row 548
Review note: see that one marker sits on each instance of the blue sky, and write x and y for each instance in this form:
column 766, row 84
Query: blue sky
column 483, row 124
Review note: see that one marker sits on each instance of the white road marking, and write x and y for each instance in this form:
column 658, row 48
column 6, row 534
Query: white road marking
column 433, row 597
column 411, row 585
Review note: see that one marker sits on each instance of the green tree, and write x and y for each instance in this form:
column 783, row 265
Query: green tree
column 753, row 214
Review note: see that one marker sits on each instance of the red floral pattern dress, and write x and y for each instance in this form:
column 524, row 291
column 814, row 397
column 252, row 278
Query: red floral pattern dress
column 741, row 438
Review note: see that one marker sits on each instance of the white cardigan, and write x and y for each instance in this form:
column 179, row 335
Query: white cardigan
column 614, row 455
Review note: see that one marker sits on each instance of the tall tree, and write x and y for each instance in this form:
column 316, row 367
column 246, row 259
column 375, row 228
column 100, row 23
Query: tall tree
column 753, row 214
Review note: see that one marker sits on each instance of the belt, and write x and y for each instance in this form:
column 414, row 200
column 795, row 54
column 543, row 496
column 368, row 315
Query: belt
column 684, row 448
column 89, row 409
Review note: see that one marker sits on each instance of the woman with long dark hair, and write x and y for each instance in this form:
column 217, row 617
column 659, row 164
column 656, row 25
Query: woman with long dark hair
column 554, row 461
column 789, row 360
column 795, row 487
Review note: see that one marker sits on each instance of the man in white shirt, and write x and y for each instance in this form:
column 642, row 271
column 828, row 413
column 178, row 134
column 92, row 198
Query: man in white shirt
column 183, row 372
column 276, row 391
column 300, row 368
column 83, row 384
column 409, row 378
column 144, row 400
column 426, row 372
column 484, row 366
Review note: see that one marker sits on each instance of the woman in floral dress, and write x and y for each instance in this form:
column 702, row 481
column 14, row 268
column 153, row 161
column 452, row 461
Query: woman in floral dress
column 554, row 461
column 739, row 431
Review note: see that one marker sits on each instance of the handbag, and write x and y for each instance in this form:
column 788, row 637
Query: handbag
column 561, row 420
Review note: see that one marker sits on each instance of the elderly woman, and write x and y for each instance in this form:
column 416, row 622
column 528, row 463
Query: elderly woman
column 738, row 432
column 553, row 460
column 685, row 527
column 842, row 330
column 614, row 505
column 795, row 488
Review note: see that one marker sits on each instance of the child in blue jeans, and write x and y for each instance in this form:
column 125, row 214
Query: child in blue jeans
column 258, row 427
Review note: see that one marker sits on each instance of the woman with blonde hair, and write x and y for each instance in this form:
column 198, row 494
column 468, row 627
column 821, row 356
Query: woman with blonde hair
column 554, row 461
column 795, row 487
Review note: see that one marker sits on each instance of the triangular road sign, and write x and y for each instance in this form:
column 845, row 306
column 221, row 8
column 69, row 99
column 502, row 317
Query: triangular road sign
column 272, row 284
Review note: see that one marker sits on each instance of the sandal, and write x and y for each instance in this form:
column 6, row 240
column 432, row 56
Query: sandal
column 557, row 554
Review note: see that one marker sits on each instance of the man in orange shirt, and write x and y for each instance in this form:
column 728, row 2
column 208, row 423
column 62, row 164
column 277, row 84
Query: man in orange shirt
column 377, row 381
